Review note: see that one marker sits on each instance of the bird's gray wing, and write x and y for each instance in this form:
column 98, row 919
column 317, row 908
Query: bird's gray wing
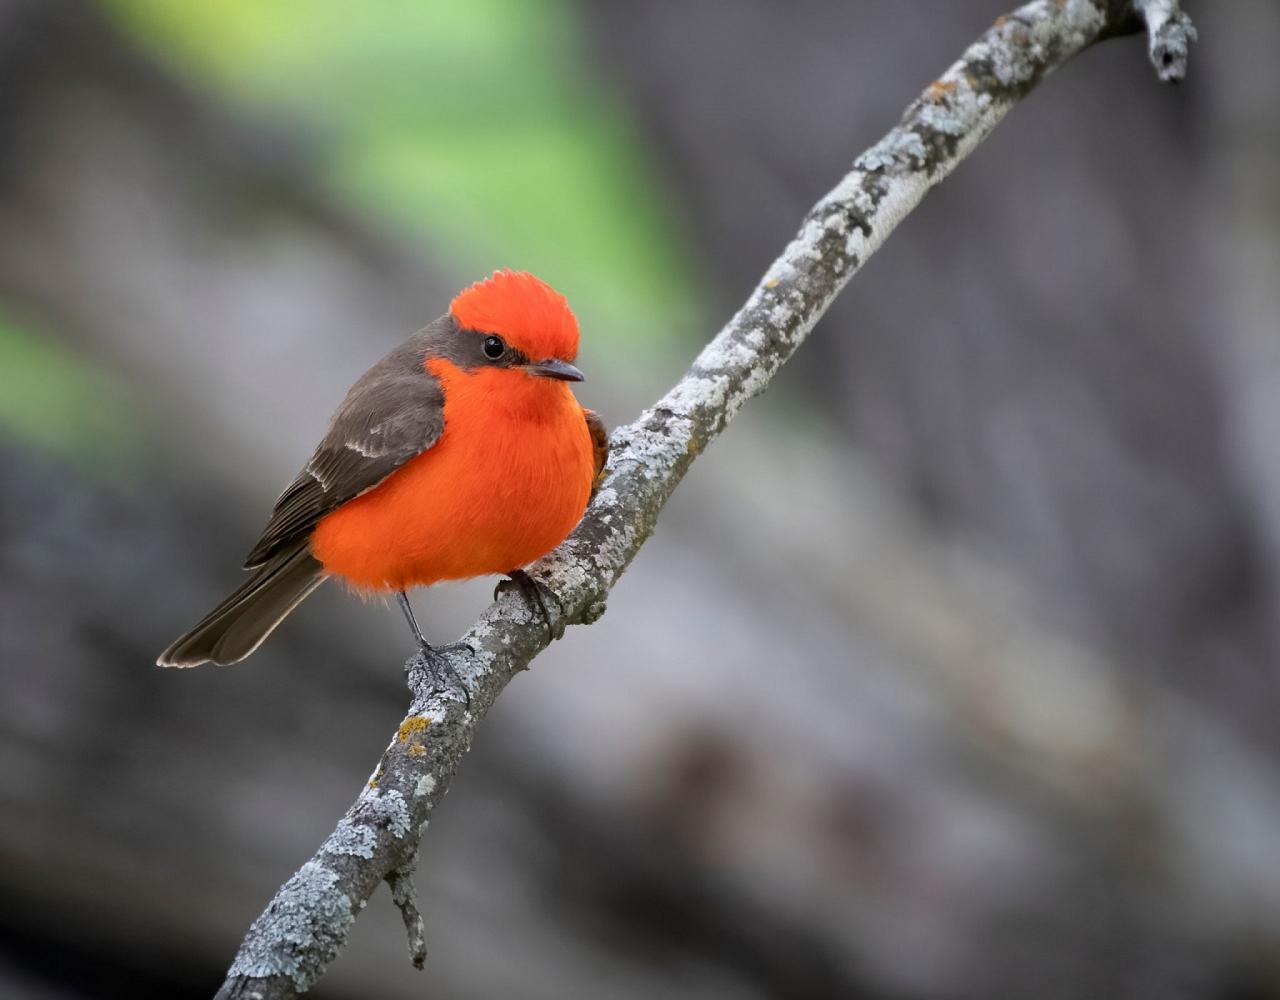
column 394, row 412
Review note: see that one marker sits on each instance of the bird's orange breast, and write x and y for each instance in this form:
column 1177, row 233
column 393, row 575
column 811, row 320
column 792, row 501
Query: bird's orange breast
column 506, row 482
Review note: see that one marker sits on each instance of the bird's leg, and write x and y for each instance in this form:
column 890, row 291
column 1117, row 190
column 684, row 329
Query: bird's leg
column 431, row 657
column 403, row 600
column 533, row 591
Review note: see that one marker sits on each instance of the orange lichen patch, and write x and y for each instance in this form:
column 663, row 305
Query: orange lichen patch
column 412, row 726
column 771, row 283
column 1001, row 19
column 940, row 89
column 411, row 731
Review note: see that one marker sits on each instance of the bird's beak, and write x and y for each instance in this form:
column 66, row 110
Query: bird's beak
column 555, row 368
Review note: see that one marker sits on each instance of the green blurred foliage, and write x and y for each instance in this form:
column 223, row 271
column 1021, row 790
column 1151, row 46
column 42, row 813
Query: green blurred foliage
column 480, row 128
column 53, row 399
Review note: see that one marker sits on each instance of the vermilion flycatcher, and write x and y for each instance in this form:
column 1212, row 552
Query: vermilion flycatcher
column 462, row 453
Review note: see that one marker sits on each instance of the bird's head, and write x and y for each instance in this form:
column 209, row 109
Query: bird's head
column 520, row 322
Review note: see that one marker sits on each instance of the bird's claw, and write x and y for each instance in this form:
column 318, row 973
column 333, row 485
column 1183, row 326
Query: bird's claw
column 433, row 665
column 533, row 591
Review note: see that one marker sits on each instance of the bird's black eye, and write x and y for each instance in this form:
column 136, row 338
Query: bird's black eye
column 494, row 348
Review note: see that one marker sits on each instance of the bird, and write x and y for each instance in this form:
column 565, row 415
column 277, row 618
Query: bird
column 462, row 453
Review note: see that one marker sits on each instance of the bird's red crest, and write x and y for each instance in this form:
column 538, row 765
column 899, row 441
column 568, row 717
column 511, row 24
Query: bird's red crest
column 526, row 312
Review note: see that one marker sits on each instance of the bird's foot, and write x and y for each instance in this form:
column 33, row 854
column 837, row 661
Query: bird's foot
column 534, row 591
column 431, row 669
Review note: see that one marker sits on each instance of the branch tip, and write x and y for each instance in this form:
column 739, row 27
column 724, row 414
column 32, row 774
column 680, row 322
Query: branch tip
column 405, row 895
column 1170, row 34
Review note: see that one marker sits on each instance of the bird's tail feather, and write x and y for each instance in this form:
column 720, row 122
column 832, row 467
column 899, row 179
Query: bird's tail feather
column 237, row 626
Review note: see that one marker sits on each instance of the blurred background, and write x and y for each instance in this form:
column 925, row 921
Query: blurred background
column 952, row 668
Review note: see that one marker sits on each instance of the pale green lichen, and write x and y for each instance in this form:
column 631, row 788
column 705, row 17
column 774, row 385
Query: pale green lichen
column 301, row 930
column 899, row 147
column 352, row 839
column 390, row 809
column 958, row 115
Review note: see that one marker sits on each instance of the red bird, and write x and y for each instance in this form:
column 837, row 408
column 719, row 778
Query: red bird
column 462, row 453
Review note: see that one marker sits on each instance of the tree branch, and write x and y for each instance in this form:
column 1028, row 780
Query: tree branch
column 305, row 926
column 1170, row 34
